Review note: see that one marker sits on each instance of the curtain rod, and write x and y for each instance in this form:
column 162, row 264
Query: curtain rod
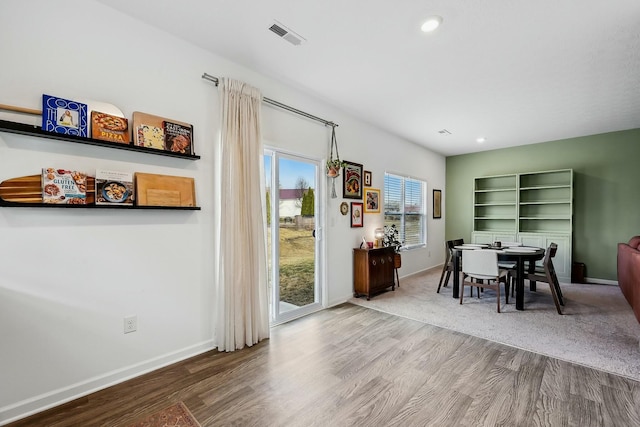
column 278, row 104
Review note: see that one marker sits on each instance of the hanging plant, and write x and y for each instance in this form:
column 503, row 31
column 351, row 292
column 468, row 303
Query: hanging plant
column 334, row 163
column 333, row 168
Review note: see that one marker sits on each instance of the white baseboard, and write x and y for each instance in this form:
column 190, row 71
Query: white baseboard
column 338, row 301
column 424, row 270
column 58, row 397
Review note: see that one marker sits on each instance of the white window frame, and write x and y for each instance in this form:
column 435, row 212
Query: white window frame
column 403, row 181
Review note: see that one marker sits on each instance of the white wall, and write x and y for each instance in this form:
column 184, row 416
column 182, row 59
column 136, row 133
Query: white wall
column 68, row 277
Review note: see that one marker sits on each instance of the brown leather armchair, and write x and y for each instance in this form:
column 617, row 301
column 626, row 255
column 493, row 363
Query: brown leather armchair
column 629, row 272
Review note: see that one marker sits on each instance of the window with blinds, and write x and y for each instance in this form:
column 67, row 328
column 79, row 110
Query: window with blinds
column 405, row 206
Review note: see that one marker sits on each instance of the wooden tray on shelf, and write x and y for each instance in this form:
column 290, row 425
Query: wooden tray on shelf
column 28, row 189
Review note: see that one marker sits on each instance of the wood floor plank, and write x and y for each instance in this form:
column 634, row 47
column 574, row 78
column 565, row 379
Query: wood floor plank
column 493, row 400
column 353, row 366
column 556, row 380
column 473, row 369
column 587, row 383
column 620, row 406
column 527, row 388
column 550, row 412
column 585, row 412
column 433, row 406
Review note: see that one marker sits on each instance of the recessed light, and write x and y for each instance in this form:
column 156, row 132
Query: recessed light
column 431, row 23
column 481, row 139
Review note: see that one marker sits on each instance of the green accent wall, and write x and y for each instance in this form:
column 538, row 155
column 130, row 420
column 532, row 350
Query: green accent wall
column 606, row 191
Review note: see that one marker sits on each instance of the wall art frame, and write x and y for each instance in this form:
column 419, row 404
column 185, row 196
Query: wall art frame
column 367, row 178
column 437, row 204
column 371, row 200
column 352, row 180
column 357, row 214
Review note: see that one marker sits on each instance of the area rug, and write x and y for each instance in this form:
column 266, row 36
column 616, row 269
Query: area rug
column 176, row 415
column 598, row 328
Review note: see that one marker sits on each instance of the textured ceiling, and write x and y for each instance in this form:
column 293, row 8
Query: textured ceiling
column 514, row 71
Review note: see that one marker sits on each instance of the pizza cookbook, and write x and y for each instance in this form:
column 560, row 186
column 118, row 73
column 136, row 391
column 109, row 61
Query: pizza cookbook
column 107, row 127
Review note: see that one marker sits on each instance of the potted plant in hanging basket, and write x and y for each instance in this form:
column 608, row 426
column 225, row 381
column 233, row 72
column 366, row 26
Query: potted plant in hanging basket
column 333, row 168
column 391, row 238
column 334, row 163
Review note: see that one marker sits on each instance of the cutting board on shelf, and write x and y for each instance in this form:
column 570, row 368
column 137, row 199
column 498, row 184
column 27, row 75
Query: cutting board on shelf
column 164, row 190
column 28, row 189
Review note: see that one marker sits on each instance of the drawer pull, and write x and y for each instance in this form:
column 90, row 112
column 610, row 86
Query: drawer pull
column 373, row 262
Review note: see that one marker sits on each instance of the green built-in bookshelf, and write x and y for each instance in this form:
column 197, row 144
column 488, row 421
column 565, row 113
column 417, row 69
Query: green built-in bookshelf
column 534, row 208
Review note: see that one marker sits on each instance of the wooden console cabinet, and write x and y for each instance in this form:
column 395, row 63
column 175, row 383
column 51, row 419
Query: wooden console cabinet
column 372, row 271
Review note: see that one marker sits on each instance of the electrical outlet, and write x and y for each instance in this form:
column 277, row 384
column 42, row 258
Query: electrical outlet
column 130, row 324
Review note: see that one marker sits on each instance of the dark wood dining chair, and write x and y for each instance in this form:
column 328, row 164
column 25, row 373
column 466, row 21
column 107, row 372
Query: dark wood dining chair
column 447, row 268
column 548, row 274
column 481, row 268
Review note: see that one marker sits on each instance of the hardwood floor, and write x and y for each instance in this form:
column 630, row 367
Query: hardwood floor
column 352, row 366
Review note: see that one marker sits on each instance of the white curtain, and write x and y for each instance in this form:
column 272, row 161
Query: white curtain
column 242, row 303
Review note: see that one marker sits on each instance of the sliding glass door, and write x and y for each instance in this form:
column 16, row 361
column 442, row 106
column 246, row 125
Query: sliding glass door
column 293, row 235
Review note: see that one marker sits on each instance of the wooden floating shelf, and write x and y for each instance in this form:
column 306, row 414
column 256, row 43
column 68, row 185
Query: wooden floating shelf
column 32, row 130
column 26, row 192
column 7, row 204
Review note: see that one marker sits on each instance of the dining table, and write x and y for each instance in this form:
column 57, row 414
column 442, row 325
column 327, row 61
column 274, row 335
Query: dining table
column 520, row 254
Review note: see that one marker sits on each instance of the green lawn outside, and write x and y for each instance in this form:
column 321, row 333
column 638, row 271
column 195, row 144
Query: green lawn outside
column 297, row 265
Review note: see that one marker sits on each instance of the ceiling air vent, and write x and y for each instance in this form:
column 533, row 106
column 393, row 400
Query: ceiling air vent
column 287, row 34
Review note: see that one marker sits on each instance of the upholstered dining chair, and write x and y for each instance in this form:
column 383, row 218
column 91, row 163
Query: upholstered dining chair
column 447, row 268
column 547, row 273
column 481, row 265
